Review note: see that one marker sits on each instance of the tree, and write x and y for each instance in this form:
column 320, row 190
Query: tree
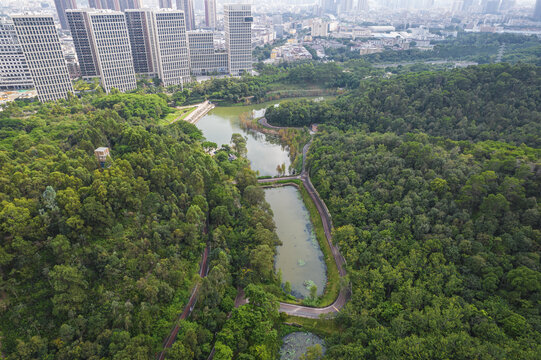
column 261, row 259
column 70, row 289
column 222, row 352
column 239, row 144
column 313, row 353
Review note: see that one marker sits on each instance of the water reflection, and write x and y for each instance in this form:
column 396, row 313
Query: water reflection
column 299, row 257
column 294, row 345
column 264, row 151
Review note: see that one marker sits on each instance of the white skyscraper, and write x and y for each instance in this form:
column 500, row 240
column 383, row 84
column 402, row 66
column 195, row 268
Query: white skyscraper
column 210, row 14
column 172, row 44
column 143, row 41
column 106, row 46
column 166, row 4
column 41, row 46
column 238, row 37
column 14, row 72
column 159, row 44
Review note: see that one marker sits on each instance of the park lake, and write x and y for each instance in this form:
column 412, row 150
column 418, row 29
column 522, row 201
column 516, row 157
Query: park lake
column 299, row 257
column 264, row 151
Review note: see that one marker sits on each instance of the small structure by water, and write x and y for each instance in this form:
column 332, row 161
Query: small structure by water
column 295, row 345
column 299, row 257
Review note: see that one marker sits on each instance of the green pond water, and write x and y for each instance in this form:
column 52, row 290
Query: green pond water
column 299, row 257
column 294, row 345
column 264, row 151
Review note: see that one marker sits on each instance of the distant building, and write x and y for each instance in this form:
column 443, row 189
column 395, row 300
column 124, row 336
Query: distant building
column 14, row 71
column 187, row 7
column 101, row 40
column 292, row 51
column 159, row 44
column 44, row 56
column 328, row 6
column 345, row 6
column 210, row 14
column 142, row 35
column 117, row 5
column 204, row 58
column 172, row 44
column 73, row 66
column 507, row 5
column 362, row 5
column 537, row 11
column 61, row 7
column 83, row 43
column 238, row 37
column 278, row 26
column 320, row 28
column 370, row 50
column 166, row 4
column 492, row 7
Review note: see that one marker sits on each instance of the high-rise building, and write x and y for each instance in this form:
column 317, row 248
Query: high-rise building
column 14, row 72
column 106, row 45
column 362, row 5
column 204, row 58
column 166, row 4
column 277, row 25
column 344, row 6
column 61, row 7
column 104, row 4
column 83, row 43
column 328, row 6
column 320, row 28
column 187, row 7
column 44, row 56
column 507, row 5
column 143, row 41
column 537, row 11
column 117, row 5
column 159, row 44
column 238, row 37
column 491, row 6
column 173, row 55
column 210, row 14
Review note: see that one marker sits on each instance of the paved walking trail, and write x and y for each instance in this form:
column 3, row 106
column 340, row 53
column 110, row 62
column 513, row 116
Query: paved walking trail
column 343, row 296
column 290, row 309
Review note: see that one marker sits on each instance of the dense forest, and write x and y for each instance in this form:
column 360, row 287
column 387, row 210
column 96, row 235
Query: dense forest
column 489, row 102
column 442, row 241
column 432, row 180
column 97, row 263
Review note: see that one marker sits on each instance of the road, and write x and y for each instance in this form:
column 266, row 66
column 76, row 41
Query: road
column 203, row 271
column 343, row 295
column 263, row 121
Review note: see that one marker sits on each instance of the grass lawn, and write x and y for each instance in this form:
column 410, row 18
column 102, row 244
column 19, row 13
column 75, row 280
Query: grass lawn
column 178, row 113
column 321, row 327
column 289, row 86
column 332, row 288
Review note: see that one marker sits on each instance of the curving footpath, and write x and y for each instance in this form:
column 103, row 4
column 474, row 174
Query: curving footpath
column 343, row 296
